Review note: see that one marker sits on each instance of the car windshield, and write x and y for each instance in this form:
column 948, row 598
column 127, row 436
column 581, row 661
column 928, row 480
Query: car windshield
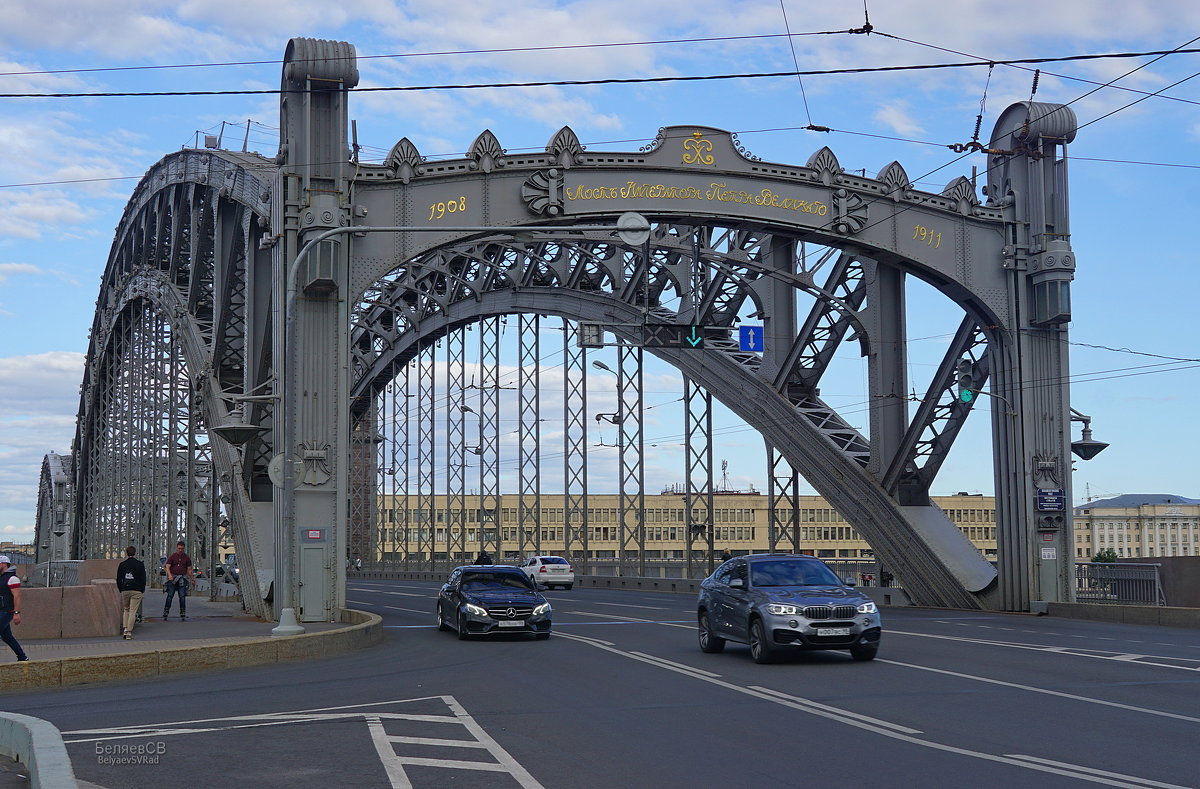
column 791, row 572
column 495, row 581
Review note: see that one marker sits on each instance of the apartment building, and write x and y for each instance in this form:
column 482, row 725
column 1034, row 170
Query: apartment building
column 1138, row 524
column 741, row 524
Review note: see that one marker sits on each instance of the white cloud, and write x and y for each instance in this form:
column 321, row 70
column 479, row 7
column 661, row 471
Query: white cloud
column 897, row 118
column 40, row 384
column 8, row 269
column 39, row 395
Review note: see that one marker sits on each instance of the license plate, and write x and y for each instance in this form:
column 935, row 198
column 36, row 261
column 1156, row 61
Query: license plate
column 519, row 623
column 557, row 570
column 833, row 631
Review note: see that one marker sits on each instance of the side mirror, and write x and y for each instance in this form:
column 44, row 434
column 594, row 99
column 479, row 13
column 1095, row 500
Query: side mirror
column 737, row 583
column 849, row 579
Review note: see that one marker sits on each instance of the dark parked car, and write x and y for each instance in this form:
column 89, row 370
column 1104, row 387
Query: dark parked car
column 484, row 600
column 779, row 603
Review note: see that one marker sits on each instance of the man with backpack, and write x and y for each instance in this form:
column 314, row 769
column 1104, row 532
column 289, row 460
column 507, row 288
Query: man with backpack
column 131, row 583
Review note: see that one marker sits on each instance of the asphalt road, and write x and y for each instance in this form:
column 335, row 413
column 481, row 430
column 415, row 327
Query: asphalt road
column 621, row 696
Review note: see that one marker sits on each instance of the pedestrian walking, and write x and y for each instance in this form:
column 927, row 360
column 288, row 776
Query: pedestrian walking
column 10, row 606
column 131, row 583
column 179, row 578
column 357, row 565
column 726, row 555
column 483, row 558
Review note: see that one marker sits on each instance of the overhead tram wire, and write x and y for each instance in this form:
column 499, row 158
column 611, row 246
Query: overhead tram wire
column 983, row 59
column 614, row 80
column 1182, row 48
column 795, row 61
column 444, row 53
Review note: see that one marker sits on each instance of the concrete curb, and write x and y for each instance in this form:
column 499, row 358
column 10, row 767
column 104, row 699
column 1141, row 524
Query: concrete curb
column 1165, row 616
column 38, row 745
column 366, row 630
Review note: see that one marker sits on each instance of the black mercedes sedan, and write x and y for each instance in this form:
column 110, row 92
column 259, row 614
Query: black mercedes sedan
column 481, row 600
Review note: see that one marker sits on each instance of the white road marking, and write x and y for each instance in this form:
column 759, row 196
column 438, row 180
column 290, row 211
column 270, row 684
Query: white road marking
column 376, row 721
column 392, row 607
column 1137, row 781
column 1046, row 691
column 628, row 605
column 608, row 616
column 692, row 669
column 895, row 731
column 1139, row 660
column 401, row 594
column 835, row 711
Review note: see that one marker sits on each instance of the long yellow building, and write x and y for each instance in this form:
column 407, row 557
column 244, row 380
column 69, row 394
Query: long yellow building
column 740, row 525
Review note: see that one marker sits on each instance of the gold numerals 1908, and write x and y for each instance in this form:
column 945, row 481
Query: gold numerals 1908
column 930, row 237
column 453, row 206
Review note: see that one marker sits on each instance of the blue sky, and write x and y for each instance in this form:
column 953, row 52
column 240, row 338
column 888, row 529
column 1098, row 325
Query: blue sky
column 1134, row 297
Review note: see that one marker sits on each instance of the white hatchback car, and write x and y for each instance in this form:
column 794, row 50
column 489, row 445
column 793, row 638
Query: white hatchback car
column 549, row 571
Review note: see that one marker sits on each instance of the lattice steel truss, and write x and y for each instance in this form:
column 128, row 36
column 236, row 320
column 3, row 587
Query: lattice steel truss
column 192, row 302
column 575, row 439
column 529, row 436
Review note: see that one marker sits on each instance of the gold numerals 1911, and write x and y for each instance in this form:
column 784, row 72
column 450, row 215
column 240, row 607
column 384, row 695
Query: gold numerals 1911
column 930, row 237
column 453, row 206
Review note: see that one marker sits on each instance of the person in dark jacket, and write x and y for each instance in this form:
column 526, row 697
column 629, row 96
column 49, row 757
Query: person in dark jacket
column 483, row 558
column 10, row 606
column 131, row 583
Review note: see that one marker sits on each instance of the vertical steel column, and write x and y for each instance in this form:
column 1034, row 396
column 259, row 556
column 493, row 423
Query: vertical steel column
column 402, row 501
column 698, row 496
column 385, row 480
column 456, row 448
column 885, row 316
column 783, row 483
column 426, row 516
column 697, row 429
column 575, row 437
column 630, row 442
column 489, row 436
column 529, row 435
column 178, row 476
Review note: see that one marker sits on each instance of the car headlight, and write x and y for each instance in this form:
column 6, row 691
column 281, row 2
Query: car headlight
column 544, row 608
column 471, row 608
column 867, row 608
column 783, row 610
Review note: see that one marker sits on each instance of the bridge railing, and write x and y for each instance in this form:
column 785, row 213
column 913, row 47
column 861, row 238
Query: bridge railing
column 62, row 572
column 1118, row 584
column 862, row 573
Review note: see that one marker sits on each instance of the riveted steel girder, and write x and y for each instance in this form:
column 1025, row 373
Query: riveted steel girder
column 187, row 270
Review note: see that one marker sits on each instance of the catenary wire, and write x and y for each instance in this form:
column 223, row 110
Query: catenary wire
column 613, row 80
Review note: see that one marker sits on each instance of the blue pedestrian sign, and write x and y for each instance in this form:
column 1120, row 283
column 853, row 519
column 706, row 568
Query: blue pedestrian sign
column 750, row 338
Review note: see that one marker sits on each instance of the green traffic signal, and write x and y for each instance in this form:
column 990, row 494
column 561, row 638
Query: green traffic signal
column 966, row 396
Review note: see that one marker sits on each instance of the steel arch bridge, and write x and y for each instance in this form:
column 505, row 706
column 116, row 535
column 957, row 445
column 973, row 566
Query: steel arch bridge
column 271, row 338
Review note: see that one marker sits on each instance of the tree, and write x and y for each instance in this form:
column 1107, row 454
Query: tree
column 1105, row 556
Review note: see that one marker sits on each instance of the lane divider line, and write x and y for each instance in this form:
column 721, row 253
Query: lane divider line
column 1046, row 691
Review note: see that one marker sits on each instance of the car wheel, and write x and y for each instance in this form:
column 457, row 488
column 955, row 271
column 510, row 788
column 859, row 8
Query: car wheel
column 441, row 623
column 709, row 642
column 864, row 651
column 462, row 627
column 568, row 587
column 760, row 646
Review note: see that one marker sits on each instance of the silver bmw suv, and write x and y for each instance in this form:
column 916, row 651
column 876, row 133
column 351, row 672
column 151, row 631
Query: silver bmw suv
column 778, row 603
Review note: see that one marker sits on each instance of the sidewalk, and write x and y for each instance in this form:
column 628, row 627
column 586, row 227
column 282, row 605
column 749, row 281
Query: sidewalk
column 207, row 623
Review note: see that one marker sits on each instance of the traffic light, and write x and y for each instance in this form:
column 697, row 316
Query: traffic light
column 968, row 381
